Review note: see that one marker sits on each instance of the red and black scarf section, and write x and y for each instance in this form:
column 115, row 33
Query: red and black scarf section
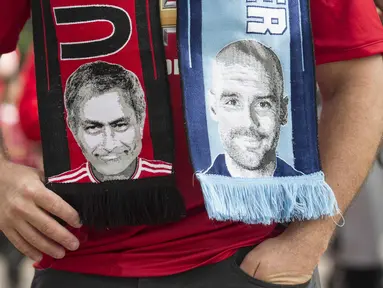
column 126, row 36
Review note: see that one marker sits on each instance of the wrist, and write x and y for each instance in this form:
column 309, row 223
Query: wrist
column 315, row 235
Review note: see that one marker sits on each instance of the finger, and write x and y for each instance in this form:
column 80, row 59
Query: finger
column 51, row 228
column 55, row 205
column 23, row 246
column 41, row 174
column 38, row 241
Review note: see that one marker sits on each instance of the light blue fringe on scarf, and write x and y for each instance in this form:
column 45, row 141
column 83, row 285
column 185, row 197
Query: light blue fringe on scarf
column 267, row 200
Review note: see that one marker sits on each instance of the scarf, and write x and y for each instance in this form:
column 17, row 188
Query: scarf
column 105, row 113
column 247, row 70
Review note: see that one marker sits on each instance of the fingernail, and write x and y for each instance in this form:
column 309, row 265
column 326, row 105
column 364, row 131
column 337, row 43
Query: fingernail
column 60, row 255
column 78, row 225
column 74, row 245
column 37, row 258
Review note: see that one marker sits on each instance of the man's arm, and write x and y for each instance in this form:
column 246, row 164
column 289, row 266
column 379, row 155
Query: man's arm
column 350, row 130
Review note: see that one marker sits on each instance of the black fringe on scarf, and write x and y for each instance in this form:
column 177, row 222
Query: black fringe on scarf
column 112, row 205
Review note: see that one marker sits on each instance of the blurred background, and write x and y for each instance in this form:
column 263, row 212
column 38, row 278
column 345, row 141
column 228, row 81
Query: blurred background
column 354, row 258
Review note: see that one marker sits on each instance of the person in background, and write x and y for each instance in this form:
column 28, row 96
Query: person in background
column 28, row 114
column 379, row 8
column 357, row 251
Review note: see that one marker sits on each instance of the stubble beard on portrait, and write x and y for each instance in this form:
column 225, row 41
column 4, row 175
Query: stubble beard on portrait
column 250, row 161
column 120, row 168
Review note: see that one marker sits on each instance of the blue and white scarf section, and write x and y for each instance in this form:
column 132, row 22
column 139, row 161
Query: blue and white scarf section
column 247, row 70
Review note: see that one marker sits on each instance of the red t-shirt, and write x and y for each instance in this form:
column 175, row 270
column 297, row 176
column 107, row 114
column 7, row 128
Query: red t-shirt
column 342, row 29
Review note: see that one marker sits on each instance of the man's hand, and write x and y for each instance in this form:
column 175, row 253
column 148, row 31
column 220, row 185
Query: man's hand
column 24, row 219
column 281, row 260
